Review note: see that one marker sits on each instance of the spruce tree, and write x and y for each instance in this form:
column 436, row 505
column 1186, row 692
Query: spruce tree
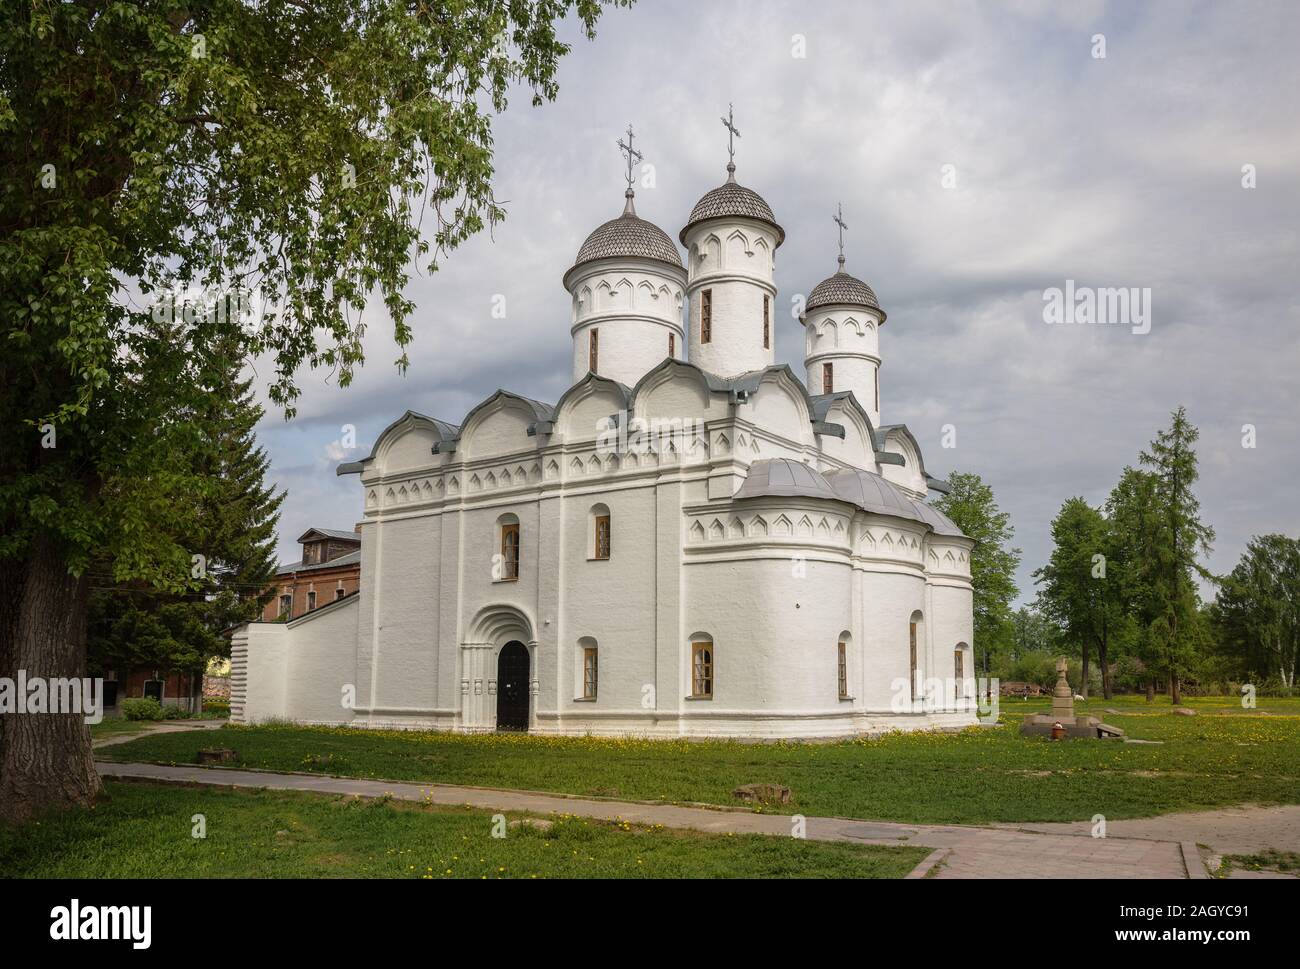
column 244, row 510
column 230, row 537
column 1178, row 541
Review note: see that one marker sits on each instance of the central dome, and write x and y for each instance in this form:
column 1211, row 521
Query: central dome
column 728, row 200
column 629, row 235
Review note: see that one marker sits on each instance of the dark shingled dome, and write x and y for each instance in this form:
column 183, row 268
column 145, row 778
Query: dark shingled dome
column 732, row 199
column 843, row 289
column 629, row 235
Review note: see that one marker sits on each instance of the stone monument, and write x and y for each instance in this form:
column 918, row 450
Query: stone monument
column 1061, row 722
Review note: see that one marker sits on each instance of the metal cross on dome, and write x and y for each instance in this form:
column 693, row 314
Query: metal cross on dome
column 839, row 221
column 733, row 133
column 633, row 156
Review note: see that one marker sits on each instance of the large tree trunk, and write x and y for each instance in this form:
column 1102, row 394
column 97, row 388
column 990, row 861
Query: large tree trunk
column 45, row 758
column 1175, row 690
column 1151, row 689
column 1083, row 672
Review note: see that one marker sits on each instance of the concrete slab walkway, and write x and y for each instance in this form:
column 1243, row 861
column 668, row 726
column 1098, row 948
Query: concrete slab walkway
column 1244, row 830
column 973, row 852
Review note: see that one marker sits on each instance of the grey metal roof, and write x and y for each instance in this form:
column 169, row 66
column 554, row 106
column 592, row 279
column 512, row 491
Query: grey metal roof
column 591, row 377
column 784, row 477
column 732, row 199
column 331, row 533
column 448, row 432
column 938, row 484
column 741, row 383
column 541, row 410
column 823, row 403
column 352, row 558
column 873, row 494
column 941, row 523
column 843, row 289
column 629, row 235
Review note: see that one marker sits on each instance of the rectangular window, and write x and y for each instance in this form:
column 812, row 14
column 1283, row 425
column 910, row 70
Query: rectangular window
column 311, row 601
column 767, row 328
column 959, row 674
column 286, row 605
column 672, row 344
column 706, row 316
column 589, row 673
column 844, row 671
column 602, row 536
column 593, row 350
column 510, row 551
column 912, row 678
column 702, row 670
column 339, row 593
column 828, row 378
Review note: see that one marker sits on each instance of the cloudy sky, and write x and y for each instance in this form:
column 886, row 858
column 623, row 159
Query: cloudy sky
column 1122, row 171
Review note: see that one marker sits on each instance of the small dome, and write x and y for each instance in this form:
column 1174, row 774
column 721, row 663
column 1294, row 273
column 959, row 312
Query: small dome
column 728, row 200
column 873, row 494
column 784, row 478
column 941, row 523
column 843, row 290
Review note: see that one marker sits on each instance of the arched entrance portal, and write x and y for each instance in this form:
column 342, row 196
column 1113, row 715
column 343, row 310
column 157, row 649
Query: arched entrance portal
column 512, row 686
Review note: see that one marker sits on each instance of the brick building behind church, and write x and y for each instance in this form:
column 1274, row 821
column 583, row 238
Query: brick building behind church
column 329, row 569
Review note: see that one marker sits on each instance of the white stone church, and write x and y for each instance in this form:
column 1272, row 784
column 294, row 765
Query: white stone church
column 689, row 542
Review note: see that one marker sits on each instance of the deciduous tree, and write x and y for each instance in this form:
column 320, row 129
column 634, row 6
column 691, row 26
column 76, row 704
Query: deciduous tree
column 308, row 154
column 972, row 507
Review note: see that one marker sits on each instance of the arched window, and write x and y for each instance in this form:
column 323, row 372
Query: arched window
column 914, row 637
column 842, row 665
column 702, row 667
column 599, row 533
column 508, row 525
column 828, row 378
column 589, row 659
column 959, row 691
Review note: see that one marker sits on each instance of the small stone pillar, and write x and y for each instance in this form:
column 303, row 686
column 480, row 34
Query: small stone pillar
column 1062, row 696
column 1044, row 724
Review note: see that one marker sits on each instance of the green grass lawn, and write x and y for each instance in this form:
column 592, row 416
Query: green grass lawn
column 145, row 831
column 1287, row 862
column 1223, row 755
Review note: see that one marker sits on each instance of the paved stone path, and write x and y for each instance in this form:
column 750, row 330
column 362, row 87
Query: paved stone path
column 1228, row 831
column 973, row 852
column 152, row 727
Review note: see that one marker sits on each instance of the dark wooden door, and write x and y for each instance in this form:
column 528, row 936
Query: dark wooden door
column 512, row 687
